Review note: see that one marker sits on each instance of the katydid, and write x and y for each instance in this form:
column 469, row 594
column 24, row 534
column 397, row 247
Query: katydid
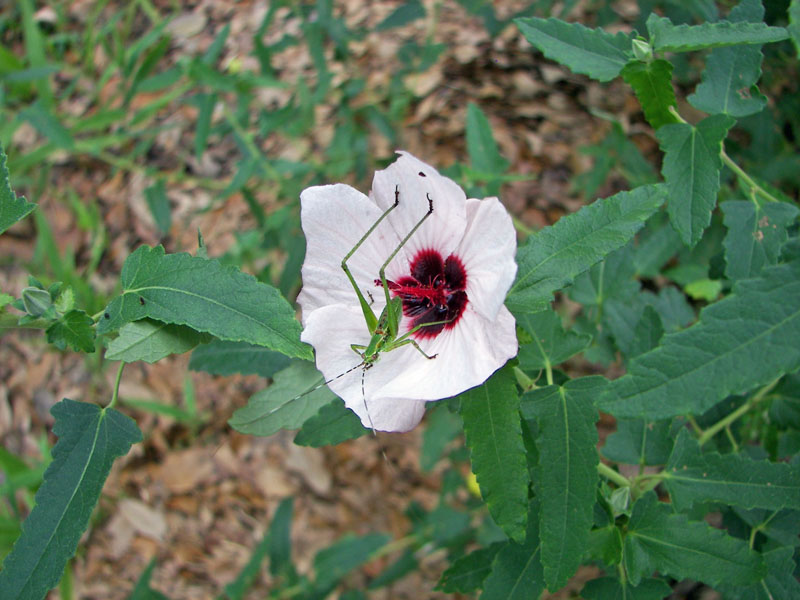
column 384, row 329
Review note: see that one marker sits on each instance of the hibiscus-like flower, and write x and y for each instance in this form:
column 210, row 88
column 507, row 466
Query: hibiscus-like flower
column 454, row 271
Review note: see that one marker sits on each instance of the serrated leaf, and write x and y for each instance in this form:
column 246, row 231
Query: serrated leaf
column 666, row 37
column 90, row 439
column 611, row 588
column 223, row 357
column 605, row 544
column 283, row 405
column 493, row 433
column 756, row 234
column 612, row 278
column 591, row 52
column 484, row 155
column 639, row 442
column 660, row 540
column 75, row 329
column 646, row 334
column 730, row 77
column 652, row 83
column 337, row 560
column 780, row 581
column 566, row 477
column 150, row 341
column 734, row 479
column 517, row 572
column 551, row 344
column 468, row 572
column 333, row 424
column 691, row 169
column 206, row 296
column 13, row 208
column 554, row 256
column 746, row 339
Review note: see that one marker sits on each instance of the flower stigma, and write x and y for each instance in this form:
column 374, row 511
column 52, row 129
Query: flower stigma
column 434, row 292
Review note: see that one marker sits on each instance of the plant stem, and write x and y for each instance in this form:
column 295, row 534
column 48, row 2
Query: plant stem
column 612, row 475
column 742, row 410
column 115, row 393
column 746, row 179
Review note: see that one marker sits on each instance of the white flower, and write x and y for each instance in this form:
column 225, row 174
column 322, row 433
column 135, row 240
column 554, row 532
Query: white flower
column 457, row 267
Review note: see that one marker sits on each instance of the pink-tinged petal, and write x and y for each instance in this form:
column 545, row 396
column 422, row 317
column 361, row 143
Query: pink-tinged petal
column 331, row 330
column 415, row 181
column 334, row 217
column 466, row 356
column 487, row 251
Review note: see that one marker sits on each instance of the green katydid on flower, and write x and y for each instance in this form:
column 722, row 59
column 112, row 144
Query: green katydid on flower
column 417, row 312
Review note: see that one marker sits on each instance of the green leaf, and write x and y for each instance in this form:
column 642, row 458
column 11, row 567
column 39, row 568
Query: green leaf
column 493, row 433
column 468, row 573
column 794, row 23
column 222, row 357
column 659, row 540
column 484, row 155
column 143, row 591
column 48, row 125
column 156, row 197
column 205, row 110
column 554, row 256
column 237, row 588
column 336, row 561
column 75, row 329
column 441, row 428
column 666, row 37
column 280, row 542
column 691, row 169
column 756, row 234
column 731, row 74
column 288, row 403
column 566, row 477
column 333, row 424
column 780, row 581
column 406, row 13
column 517, row 572
column 611, row 588
column 652, row 83
column 746, row 339
column 591, row 52
column 551, row 345
column 206, row 296
column 639, row 442
column 90, row 439
column 150, row 341
column 734, row 479
column 12, row 207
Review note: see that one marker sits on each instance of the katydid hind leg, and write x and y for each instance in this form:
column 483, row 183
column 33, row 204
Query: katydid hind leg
column 369, row 315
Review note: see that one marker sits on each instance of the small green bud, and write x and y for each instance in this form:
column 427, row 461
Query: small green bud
column 642, row 50
column 36, row 301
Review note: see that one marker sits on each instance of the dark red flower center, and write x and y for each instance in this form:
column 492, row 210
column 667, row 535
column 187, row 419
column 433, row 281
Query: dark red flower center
column 434, row 293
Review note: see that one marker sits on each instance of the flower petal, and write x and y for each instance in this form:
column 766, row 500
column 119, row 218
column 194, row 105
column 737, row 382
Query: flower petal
column 331, row 330
column 415, row 180
column 466, row 356
column 334, row 218
column 487, row 252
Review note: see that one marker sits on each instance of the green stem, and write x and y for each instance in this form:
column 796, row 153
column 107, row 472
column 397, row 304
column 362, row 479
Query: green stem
column 739, row 412
column 693, row 422
column 746, row 179
column 115, row 393
column 612, row 475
